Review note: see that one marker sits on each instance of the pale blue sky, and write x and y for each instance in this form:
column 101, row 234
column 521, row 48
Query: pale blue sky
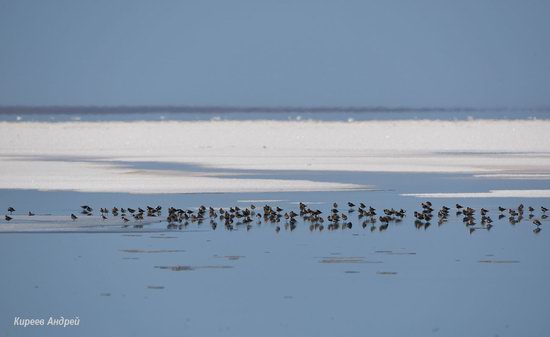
column 396, row 53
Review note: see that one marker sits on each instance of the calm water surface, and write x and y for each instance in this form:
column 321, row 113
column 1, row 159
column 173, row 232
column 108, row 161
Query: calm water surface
column 197, row 281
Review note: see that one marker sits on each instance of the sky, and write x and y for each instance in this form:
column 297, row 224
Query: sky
column 275, row 53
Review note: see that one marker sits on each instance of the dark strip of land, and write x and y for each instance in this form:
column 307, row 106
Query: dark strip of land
column 127, row 109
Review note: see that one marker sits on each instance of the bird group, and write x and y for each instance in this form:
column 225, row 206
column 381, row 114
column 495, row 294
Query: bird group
column 233, row 217
column 124, row 213
column 485, row 222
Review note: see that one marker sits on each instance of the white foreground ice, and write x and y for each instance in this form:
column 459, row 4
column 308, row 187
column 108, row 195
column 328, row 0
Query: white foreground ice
column 98, row 156
column 490, row 194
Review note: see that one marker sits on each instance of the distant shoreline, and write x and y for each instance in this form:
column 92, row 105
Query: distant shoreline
column 145, row 109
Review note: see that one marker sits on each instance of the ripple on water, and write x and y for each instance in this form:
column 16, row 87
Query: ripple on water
column 346, row 259
column 191, row 268
column 230, row 257
column 152, row 251
column 391, row 252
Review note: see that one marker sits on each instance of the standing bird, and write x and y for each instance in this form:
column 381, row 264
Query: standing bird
column 74, row 217
column 11, row 210
column 31, row 213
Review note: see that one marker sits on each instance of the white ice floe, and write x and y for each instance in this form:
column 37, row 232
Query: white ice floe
column 260, row 200
column 515, row 176
column 87, row 156
column 490, row 194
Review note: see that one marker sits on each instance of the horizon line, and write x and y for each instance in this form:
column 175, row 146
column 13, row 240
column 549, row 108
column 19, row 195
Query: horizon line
column 139, row 109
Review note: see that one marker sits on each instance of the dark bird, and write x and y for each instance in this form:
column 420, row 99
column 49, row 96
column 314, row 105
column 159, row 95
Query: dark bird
column 458, row 206
column 74, row 217
column 501, row 209
column 31, row 213
column 536, row 230
column 86, row 208
column 8, row 218
column 537, row 222
column 11, row 210
column 543, row 209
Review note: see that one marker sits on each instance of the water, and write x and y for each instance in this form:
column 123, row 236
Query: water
column 204, row 282
column 402, row 282
column 151, row 279
column 96, row 114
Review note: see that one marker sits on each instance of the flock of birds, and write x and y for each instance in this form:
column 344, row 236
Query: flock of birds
column 515, row 215
column 232, row 217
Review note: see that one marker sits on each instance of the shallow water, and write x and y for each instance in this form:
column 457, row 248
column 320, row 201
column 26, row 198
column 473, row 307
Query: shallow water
column 402, row 281
column 343, row 114
column 197, row 281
